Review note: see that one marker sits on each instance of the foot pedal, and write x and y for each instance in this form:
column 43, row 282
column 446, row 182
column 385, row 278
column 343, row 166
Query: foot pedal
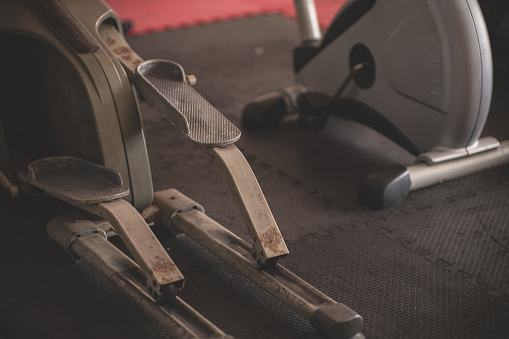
column 97, row 190
column 76, row 181
column 163, row 84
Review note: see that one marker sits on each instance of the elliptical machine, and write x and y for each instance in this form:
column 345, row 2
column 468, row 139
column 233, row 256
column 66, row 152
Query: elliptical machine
column 70, row 128
column 419, row 72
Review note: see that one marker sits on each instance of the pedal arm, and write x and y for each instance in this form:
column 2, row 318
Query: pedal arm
column 331, row 319
column 268, row 243
column 146, row 250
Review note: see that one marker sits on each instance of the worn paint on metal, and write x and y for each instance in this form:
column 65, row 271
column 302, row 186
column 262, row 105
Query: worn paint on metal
column 272, row 240
column 165, row 269
column 124, row 53
column 119, row 47
column 151, row 214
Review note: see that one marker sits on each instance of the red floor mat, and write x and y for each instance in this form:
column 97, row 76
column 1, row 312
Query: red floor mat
column 158, row 15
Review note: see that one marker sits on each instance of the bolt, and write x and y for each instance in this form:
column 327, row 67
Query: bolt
column 192, row 80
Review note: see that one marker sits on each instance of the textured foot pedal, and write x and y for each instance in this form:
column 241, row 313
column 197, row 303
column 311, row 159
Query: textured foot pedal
column 98, row 189
column 76, row 181
column 163, row 84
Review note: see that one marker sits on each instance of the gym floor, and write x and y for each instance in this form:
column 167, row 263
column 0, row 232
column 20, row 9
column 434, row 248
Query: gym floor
column 433, row 266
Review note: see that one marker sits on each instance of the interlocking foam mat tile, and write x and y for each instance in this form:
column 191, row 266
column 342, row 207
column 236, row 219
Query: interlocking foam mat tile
column 158, row 15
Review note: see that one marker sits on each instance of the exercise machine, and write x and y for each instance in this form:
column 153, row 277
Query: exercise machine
column 419, row 72
column 79, row 138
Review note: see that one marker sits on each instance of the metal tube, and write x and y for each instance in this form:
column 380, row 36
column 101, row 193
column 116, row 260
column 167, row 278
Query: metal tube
column 424, row 175
column 155, row 262
column 268, row 243
column 307, row 20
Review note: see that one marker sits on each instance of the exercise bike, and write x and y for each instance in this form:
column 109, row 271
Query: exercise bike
column 79, row 139
column 420, row 72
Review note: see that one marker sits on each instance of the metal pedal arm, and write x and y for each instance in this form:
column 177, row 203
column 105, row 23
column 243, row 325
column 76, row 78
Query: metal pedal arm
column 163, row 276
column 98, row 189
column 164, row 84
column 330, row 318
column 84, row 239
column 268, row 243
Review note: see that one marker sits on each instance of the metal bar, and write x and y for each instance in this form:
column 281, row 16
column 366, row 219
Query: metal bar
column 424, row 175
column 268, row 243
column 353, row 71
column 307, row 19
column 330, row 318
column 120, row 48
column 78, row 236
column 156, row 264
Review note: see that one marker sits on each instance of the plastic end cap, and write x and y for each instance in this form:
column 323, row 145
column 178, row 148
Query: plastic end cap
column 265, row 112
column 337, row 321
column 384, row 189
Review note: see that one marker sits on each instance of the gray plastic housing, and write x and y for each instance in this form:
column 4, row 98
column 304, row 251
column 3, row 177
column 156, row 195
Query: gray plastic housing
column 89, row 101
column 433, row 69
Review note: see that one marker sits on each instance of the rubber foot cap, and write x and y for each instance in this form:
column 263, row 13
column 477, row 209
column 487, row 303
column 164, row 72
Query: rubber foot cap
column 384, row 189
column 265, row 112
column 337, row 321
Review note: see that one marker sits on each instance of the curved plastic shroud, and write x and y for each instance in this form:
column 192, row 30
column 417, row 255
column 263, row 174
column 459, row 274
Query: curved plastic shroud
column 111, row 103
column 163, row 84
column 433, row 68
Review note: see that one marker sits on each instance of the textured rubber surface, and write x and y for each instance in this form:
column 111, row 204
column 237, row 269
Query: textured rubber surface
column 434, row 266
column 69, row 180
column 206, row 125
column 80, row 188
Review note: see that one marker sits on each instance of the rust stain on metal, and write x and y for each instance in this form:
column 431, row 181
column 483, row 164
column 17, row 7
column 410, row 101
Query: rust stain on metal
column 272, row 239
column 126, row 54
column 121, row 51
column 136, row 62
column 110, row 41
column 165, row 268
column 151, row 214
